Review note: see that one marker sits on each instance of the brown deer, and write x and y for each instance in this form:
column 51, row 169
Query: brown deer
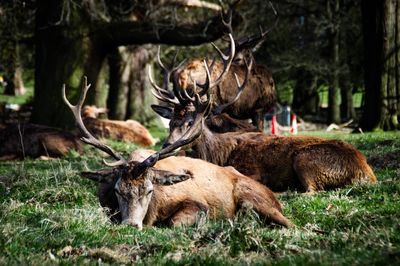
column 307, row 164
column 31, row 140
column 259, row 95
column 128, row 131
column 169, row 190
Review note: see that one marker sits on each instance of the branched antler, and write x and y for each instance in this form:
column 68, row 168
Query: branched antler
column 87, row 136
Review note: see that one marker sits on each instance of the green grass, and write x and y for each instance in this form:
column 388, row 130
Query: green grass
column 49, row 215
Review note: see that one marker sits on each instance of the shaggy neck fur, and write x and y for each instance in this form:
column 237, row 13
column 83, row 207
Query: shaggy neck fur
column 213, row 147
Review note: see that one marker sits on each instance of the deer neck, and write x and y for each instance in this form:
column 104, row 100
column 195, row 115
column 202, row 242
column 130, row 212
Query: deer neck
column 214, row 147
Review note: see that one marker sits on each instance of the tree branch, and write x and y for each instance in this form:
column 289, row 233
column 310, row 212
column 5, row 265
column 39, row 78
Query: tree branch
column 128, row 32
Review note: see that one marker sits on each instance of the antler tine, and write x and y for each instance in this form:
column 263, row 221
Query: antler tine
column 87, row 136
column 160, row 93
column 228, row 22
column 220, row 108
column 226, row 59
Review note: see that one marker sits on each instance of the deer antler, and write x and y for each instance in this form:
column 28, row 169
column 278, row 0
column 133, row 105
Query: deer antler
column 87, row 136
column 227, row 61
column 220, row 108
column 164, row 94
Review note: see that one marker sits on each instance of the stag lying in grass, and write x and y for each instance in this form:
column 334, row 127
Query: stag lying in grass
column 19, row 141
column 258, row 97
column 127, row 131
column 174, row 190
column 306, row 164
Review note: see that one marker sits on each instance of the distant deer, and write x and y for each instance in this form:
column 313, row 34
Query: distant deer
column 19, row 141
column 128, row 131
column 174, row 190
column 307, row 164
column 259, row 95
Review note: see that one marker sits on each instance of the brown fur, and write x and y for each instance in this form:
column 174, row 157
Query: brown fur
column 219, row 191
column 303, row 163
column 36, row 141
column 258, row 97
column 128, row 131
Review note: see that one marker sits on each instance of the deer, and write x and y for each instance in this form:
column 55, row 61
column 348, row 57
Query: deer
column 304, row 163
column 162, row 189
column 36, row 141
column 127, row 131
column 257, row 99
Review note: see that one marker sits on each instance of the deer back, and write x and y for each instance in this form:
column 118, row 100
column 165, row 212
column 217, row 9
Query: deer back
column 33, row 140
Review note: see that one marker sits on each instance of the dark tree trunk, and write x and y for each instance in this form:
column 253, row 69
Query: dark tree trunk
column 333, row 96
column 346, row 107
column 381, row 44
column 117, row 99
column 305, row 94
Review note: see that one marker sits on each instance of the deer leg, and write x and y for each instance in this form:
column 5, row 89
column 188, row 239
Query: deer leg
column 187, row 214
column 272, row 214
column 263, row 201
column 258, row 119
column 305, row 173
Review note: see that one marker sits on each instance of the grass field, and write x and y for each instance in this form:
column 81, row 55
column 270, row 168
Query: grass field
column 50, row 215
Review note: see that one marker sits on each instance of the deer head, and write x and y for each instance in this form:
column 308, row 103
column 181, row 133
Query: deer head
column 187, row 109
column 133, row 180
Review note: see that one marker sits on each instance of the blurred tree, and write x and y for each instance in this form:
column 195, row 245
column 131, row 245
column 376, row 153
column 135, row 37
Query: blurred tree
column 73, row 39
column 15, row 26
column 381, row 29
column 316, row 45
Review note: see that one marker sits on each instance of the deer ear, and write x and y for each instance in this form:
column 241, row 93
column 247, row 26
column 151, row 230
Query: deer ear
column 102, row 176
column 163, row 111
column 166, row 178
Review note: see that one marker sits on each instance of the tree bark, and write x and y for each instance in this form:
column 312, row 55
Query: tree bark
column 117, row 99
column 334, row 97
column 305, row 94
column 128, row 97
column 381, row 109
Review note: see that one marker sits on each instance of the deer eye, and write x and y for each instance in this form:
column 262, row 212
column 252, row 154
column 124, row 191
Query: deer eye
column 150, row 191
column 190, row 123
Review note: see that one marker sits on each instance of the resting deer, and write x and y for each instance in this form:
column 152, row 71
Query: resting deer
column 163, row 189
column 128, row 131
column 258, row 97
column 304, row 163
column 19, row 141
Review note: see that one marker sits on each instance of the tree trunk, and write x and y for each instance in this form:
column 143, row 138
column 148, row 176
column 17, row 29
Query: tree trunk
column 305, row 94
column 140, row 97
column 334, row 97
column 346, row 106
column 117, row 99
column 381, row 40
column 9, row 50
column 61, row 53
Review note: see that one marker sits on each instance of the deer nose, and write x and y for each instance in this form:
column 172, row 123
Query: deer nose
column 133, row 223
